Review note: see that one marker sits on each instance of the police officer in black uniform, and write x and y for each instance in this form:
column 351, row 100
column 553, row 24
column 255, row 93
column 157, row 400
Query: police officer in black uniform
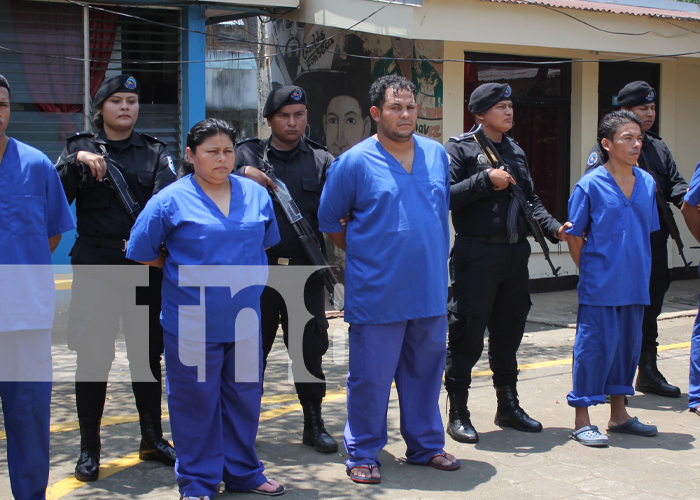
column 640, row 98
column 488, row 274
column 103, row 231
column 301, row 164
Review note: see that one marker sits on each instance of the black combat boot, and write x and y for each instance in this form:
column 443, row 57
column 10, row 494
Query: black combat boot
column 460, row 427
column 649, row 379
column 315, row 433
column 509, row 413
column 88, row 467
column 153, row 446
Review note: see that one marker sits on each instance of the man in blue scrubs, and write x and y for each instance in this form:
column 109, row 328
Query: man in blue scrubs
column 691, row 202
column 35, row 213
column 615, row 205
column 396, row 187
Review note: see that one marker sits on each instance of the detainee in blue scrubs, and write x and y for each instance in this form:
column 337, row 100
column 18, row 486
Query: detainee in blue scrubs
column 35, row 213
column 211, row 218
column 691, row 214
column 615, row 206
column 396, row 187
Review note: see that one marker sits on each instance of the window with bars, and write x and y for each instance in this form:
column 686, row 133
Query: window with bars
column 43, row 48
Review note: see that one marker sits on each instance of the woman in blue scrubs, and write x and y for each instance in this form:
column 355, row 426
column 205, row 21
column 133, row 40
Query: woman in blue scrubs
column 210, row 318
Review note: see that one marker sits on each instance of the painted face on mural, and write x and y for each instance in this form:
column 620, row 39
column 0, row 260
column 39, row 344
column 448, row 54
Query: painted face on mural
column 344, row 124
column 289, row 37
column 647, row 114
column 4, row 110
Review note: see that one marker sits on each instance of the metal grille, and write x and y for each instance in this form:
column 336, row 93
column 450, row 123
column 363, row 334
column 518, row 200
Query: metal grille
column 45, row 69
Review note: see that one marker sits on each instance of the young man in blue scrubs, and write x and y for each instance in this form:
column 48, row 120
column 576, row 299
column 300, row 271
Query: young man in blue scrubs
column 615, row 205
column 35, row 213
column 396, row 187
column 691, row 202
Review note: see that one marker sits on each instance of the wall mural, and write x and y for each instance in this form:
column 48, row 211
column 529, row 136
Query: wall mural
column 320, row 60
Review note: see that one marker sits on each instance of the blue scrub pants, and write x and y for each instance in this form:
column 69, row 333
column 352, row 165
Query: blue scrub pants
column 214, row 423
column 694, row 383
column 606, row 352
column 26, row 406
column 413, row 354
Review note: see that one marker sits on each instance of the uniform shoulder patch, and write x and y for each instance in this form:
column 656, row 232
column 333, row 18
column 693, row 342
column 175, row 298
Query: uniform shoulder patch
column 171, row 164
column 249, row 139
column 481, row 159
column 84, row 133
column 593, row 159
column 314, row 144
column 153, row 139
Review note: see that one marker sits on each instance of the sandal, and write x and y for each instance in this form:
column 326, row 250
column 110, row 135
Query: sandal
column 589, row 436
column 364, row 480
column 695, row 410
column 277, row 492
column 456, row 465
column 634, row 426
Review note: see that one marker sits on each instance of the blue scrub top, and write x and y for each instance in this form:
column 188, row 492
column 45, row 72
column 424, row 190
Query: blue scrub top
column 398, row 235
column 196, row 233
column 615, row 262
column 34, row 208
column 692, row 197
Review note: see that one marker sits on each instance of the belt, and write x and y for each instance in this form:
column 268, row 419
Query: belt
column 105, row 242
column 495, row 238
column 276, row 260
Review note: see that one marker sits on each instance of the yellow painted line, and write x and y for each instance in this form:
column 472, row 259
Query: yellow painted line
column 62, row 488
column 668, row 347
column 63, row 281
column 65, row 486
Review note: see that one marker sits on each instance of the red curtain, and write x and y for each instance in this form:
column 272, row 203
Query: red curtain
column 103, row 30
column 52, row 53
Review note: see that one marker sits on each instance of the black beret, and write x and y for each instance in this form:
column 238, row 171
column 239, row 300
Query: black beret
column 486, row 96
column 119, row 83
column 5, row 84
column 283, row 96
column 636, row 94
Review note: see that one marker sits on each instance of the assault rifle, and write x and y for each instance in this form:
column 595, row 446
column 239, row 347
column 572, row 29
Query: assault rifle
column 114, row 180
column 665, row 211
column 526, row 210
column 307, row 238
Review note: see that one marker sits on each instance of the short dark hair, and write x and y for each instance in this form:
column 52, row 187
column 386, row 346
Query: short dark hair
column 377, row 92
column 199, row 133
column 4, row 83
column 609, row 126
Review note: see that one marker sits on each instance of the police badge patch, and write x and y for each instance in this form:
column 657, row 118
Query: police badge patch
column 508, row 92
column 171, row 165
column 592, row 159
column 296, row 95
column 130, row 83
column 481, row 159
column 650, row 96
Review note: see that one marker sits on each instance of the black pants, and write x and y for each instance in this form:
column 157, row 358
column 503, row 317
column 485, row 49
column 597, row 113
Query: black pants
column 490, row 289
column 658, row 286
column 98, row 301
column 315, row 345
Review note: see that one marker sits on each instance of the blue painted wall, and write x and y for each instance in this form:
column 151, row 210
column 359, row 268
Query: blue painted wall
column 193, row 77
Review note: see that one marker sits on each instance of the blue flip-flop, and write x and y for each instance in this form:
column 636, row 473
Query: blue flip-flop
column 634, row 426
column 590, row 436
